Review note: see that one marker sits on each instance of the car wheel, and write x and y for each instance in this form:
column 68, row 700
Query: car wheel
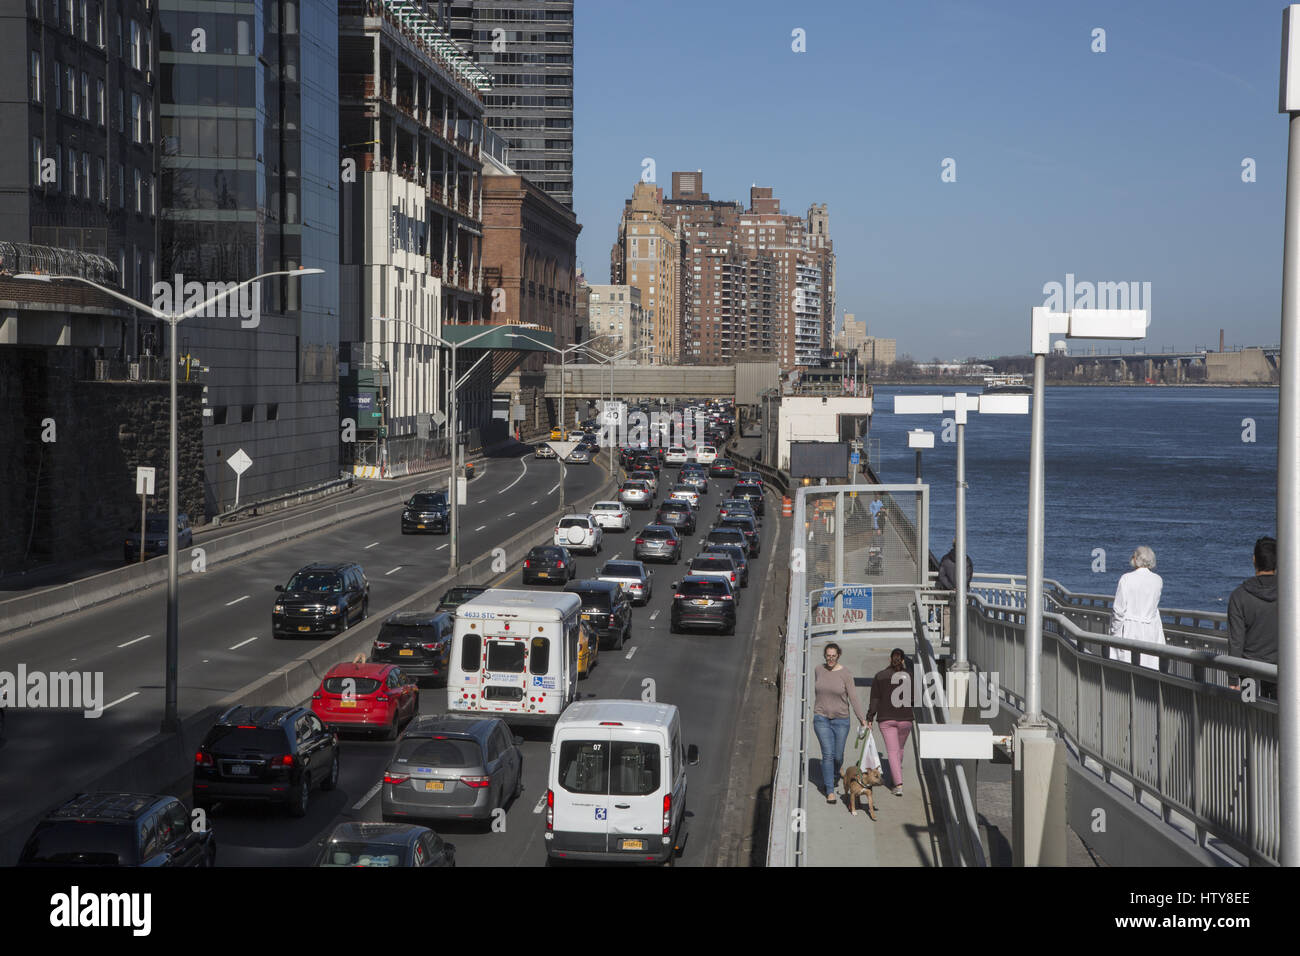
column 333, row 780
column 391, row 732
column 365, row 608
column 731, row 628
column 298, row 806
column 618, row 644
column 673, row 626
column 519, row 780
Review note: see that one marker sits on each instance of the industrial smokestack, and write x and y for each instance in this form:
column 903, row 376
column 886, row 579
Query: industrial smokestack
column 1220, row 340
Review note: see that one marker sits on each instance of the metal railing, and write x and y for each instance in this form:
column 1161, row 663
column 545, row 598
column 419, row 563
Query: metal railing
column 1203, row 757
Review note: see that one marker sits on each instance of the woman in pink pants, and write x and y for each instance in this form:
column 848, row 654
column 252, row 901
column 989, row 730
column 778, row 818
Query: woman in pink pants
column 891, row 700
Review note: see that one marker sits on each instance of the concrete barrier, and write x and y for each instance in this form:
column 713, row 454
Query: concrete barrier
column 164, row 759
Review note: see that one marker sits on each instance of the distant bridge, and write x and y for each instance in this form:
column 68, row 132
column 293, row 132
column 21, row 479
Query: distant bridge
column 742, row 383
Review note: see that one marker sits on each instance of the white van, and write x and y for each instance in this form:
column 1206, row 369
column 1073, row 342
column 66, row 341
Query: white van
column 514, row 655
column 616, row 788
column 705, row 454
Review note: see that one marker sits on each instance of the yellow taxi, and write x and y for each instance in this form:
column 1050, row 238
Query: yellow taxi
column 588, row 651
column 557, row 434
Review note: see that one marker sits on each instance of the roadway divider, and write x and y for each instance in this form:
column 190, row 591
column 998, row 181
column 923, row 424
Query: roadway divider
column 160, row 761
column 31, row 609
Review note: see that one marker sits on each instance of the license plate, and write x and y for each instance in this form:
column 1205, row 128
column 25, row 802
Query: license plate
column 433, row 785
column 239, row 768
column 702, row 603
column 304, row 627
column 420, row 526
column 586, row 617
column 406, row 652
column 634, row 844
column 347, row 703
column 543, row 574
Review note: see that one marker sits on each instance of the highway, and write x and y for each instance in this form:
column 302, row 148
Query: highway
column 702, row 673
column 225, row 616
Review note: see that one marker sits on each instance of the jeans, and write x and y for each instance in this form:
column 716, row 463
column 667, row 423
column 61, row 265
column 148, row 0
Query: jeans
column 832, row 734
column 895, row 733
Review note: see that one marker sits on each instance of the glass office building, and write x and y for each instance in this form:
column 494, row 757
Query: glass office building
column 248, row 94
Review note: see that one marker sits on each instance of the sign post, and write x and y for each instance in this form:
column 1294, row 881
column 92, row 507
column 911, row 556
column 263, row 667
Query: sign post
column 143, row 487
column 239, row 463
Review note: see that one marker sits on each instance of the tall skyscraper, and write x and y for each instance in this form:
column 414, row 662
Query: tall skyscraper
column 648, row 255
column 527, row 45
column 250, row 184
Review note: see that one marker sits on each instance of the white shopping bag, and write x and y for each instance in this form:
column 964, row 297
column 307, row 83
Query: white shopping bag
column 870, row 755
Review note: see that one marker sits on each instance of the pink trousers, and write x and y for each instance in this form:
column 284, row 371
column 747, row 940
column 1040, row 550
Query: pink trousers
column 895, row 733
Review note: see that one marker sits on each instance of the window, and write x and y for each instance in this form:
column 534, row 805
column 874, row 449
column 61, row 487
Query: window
column 57, row 78
column 584, row 767
column 137, row 118
column 539, row 661
column 121, row 188
column 635, row 768
column 272, row 411
column 148, row 120
column 36, row 161
column 121, row 110
column 85, row 175
column 153, row 198
column 471, row 649
column 72, row 171
column 99, row 26
column 246, row 413
column 100, row 101
column 505, row 657
column 135, row 45
column 219, row 415
column 85, row 96
column 81, row 19
column 67, row 16
column 139, row 205
column 34, row 77
column 102, row 173
column 121, row 49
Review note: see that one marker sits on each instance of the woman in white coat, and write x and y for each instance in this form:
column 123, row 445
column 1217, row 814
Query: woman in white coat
column 1135, row 615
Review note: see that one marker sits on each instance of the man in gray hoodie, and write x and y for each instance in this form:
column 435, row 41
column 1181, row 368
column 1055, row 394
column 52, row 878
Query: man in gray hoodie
column 1252, row 616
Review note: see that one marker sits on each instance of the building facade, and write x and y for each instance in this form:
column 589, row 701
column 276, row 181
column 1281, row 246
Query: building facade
column 648, row 254
column 617, row 319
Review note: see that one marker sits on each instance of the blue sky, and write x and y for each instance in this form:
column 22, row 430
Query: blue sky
column 1117, row 166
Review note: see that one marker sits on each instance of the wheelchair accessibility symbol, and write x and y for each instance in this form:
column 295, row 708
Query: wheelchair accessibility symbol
column 602, row 813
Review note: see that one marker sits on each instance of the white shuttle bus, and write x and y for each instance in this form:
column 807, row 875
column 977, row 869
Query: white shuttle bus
column 514, row 655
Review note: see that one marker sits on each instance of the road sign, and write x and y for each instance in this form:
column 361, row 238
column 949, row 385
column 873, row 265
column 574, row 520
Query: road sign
column 562, row 448
column 144, row 481
column 439, row 417
column 239, row 462
column 855, row 458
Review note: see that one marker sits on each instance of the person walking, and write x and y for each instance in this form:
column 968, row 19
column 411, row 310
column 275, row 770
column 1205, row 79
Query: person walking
column 948, row 569
column 877, row 515
column 1252, row 616
column 1135, row 612
column 833, row 693
column 891, row 701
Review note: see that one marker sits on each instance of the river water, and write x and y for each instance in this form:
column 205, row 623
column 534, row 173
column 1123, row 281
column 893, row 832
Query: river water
column 1173, row 468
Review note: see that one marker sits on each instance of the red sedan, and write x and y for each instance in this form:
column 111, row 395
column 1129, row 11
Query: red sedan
column 371, row 697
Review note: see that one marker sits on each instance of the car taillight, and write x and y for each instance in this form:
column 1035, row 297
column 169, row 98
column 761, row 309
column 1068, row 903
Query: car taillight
column 550, row 809
column 679, row 595
column 559, row 564
column 640, row 540
column 527, row 563
column 390, row 777
column 478, row 783
column 733, row 579
column 286, row 760
column 668, row 813
column 202, row 759
column 383, row 645
column 431, row 646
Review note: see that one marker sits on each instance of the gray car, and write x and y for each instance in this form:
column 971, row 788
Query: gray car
column 452, row 767
column 633, row 576
column 658, row 541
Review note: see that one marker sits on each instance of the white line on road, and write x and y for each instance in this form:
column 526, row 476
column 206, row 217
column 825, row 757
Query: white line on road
column 236, row 601
column 541, row 804
column 480, row 527
column 134, row 693
column 534, row 502
column 615, row 557
column 398, row 568
column 370, row 545
column 440, row 547
column 512, row 514
column 524, row 462
column 481, row 500
column 553, row 487
column 241, row 644
column 136, row 641
column 370, row 795
column 654, row 615
column 629, row 654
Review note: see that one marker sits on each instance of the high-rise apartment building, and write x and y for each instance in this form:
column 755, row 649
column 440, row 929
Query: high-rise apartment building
column 648, row 255
column 617, row 319
column 250, row 184
column 527, row 45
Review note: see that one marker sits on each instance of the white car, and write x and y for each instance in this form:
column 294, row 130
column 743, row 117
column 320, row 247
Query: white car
column 675, row 455
column 578, row 533
column 685, row 493
column 611, row 514
column 705, row 454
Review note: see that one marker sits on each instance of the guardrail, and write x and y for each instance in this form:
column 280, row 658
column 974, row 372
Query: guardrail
column 1203, row 754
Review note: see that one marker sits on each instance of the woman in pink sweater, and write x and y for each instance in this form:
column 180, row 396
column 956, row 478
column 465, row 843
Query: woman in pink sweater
column 833, row 692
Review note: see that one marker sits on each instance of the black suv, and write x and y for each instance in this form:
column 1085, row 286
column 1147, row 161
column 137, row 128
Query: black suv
column 548, row 564
column 747, row 526
column 751, row 492
column 677, row 514
column 703, row 602
column 267, row 754
column 454, row 597
column 426, row 511
column 606, row 609
column 419, row 641
column 321, row 599
column 119, row 829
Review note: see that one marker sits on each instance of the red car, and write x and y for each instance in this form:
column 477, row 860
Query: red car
column 371, row 697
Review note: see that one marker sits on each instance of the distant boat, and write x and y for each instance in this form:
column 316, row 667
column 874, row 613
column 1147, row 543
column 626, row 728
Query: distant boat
column 1006, row 385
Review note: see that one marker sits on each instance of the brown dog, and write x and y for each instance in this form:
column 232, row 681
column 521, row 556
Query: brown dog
column 857, row 782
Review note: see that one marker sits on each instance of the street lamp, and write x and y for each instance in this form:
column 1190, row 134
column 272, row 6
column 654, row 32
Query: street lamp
column 171, row 720
column 919, row 438
column 564, row 428
column 453, row 386
column 604, row 359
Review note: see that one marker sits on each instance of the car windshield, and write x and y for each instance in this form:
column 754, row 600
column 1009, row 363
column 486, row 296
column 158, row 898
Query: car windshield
column 438, row 752
column 391, row 631
column 68, row 843
column 703, row 588
column 718, row 563
column 232, row 739
column 738, row 521
column 727, row 534
column 684, row 489
column 349, row 853
column 606, row 506
column 545, row 554
column 458, row 596
column 594, row 600
column 321, row 581
column 634, row 486
column 428, row 501
column 621, row 569
column 573, row 523
column 352, row 686
column 736, row 554
column 658, row 533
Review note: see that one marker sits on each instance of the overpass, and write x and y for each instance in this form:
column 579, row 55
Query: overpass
column 743, row 382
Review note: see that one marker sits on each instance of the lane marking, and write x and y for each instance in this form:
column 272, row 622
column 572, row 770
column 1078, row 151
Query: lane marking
column 481, row 500
column 370, row 545
column 480, row 527
column 241, row 644
column 440, row 547
column 553, row 487
column 398, row 568
column 136, row 641
column 512, row 514
column 534, row 502
column 134, row 693
column 541, row 804
column 629, row 654
column 654, row 615
column 370, row 795
column 236, row 601
column 524, row 462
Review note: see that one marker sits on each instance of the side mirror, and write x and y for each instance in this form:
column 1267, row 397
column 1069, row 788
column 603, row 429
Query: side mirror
column 692, row 755
column 674, row 585
column 279, row 587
